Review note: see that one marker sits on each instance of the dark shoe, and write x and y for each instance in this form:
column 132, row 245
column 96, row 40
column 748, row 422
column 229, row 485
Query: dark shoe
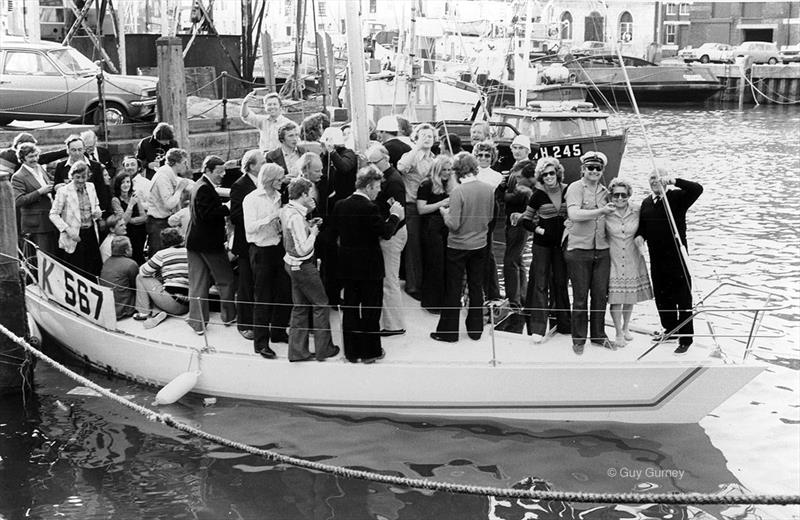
column 266, row 352
column 279, row 337
column 386, row 333
column 369, row 361
column 577, row 348
column 334, row 352
column 681, row 350
column 475, row 336
column 247, row 334
column 438, row 336
column 141, row 316
column 308, row 358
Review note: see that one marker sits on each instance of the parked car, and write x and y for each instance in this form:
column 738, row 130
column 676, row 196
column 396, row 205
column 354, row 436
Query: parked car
column 760, row 52
column 790, row 54
column 54, row 82
column 589, row 48
column 707, row 53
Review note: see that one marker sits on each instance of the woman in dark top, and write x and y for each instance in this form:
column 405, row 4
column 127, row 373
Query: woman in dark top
column 434, row 193
column 126, row 204
column 547, row 279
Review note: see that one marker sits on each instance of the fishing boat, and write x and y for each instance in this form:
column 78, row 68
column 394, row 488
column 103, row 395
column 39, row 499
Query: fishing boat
column 651, row 83
column 502, row 376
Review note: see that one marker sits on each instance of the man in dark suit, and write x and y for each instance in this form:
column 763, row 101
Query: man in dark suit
column 359, row 225
column 33, row 198
column 672, row 283
column 98, row 153
column 205, row 247
column 252, row 161
column 97, row 174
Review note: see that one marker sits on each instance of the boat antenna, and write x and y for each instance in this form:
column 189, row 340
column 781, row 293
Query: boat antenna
column 683, row 253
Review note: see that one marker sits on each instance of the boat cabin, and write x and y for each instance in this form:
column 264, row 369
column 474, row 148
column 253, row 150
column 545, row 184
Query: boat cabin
column 544, row 121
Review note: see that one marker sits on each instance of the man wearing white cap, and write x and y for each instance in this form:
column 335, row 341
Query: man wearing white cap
column 388, row 130
column 587, row 255
column 519, row 189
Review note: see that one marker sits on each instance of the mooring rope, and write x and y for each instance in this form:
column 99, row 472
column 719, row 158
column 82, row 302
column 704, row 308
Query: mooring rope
column 431, row 485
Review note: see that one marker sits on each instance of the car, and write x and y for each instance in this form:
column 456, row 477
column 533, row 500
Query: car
column 590, row 47
column 790, row 54
column 760, row 52
column 707, row 53
column 53, row 82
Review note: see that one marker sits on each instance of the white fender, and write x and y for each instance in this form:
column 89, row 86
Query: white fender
column 177, row 388
column 33, row 329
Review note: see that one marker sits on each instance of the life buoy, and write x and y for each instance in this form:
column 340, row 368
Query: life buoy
column 627, row 36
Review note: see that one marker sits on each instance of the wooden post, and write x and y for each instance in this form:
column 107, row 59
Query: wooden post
column 269, row 64
column 172, row 87
column 323, row 74
column 12, row 299
column 356, row 77
column 330, row 69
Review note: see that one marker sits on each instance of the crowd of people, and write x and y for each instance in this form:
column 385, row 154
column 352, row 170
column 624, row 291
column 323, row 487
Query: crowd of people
column 306, row 230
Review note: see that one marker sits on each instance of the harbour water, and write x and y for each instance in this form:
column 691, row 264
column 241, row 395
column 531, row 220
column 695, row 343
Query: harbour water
column 66, row 455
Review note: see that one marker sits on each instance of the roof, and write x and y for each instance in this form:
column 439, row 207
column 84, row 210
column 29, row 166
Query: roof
column 19, row 42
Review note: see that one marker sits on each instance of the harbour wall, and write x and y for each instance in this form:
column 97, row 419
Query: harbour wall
column 763, row 84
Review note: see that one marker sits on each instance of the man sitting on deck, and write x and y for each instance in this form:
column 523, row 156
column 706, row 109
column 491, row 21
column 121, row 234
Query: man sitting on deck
column 164, row 281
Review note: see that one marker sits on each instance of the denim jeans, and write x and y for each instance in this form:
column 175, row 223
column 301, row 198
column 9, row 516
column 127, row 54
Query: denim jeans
column 473, row 263
column 547, row 290
column 308, row 295
column 514, row 276
column 588, row 271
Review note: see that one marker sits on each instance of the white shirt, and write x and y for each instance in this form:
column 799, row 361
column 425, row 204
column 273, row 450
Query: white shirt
column 489, row 176
column 262, row 224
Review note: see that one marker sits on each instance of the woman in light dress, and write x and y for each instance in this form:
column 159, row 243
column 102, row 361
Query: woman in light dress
column 628, row 283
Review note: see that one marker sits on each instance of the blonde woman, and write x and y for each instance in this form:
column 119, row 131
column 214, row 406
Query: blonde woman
column 434, row 193
column 628, row 282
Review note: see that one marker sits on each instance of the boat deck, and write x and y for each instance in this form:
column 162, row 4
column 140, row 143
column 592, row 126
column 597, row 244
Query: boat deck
column 416, row 346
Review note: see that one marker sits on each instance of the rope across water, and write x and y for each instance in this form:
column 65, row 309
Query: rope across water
column 596, row 498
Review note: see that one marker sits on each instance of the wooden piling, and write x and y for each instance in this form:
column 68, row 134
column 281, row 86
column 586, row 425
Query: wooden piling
column 172, row 87
column 15, row 369
column 356, row 77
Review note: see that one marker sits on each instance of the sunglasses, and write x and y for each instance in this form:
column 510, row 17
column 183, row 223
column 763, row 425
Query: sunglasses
column 484, row 155
column 546, row 174
column 591, row 168
column 619, row 195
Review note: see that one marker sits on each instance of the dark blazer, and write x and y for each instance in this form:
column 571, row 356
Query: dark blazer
column 276, row 156
column 150, row 150
column 392, row 187
column 359, row 225
column 103, row 190
column 342, row 166
column 653, row 223
column 206, row 233
column 34, row 209
column 104, row 158
column 239, row 190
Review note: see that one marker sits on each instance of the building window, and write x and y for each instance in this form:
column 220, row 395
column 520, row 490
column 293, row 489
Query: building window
column 626, row 27
column 288, row 7
column 669, row 34
column 322, row 9
column 289, row 30
column 671, row 8
column 566, row 25
column 373, row 6
column 683, row 9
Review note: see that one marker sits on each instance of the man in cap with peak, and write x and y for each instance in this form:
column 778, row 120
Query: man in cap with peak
column 388, row 130
column 587, row 252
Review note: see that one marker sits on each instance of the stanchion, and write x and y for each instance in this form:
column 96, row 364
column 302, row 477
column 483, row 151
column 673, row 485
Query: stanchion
column 101, row 104
column 224, row 75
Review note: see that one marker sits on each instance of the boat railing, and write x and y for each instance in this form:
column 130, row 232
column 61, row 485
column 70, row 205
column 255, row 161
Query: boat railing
column 770, row 302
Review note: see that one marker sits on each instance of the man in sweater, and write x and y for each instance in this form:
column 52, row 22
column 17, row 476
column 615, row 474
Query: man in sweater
column 672, row 282
column 308, row 293
column 471, row 209
column 205, row 246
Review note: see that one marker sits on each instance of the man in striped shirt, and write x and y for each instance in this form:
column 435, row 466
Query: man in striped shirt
column 163, row 281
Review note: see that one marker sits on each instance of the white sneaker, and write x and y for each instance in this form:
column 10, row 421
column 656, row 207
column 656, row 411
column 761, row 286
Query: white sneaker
column 537, row 338
column 149, row 323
